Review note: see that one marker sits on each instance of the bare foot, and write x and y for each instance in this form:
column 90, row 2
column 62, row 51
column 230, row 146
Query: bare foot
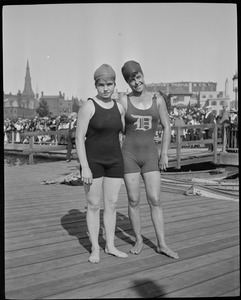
column 137, row 248
column 168, row 252
column 94, row 257
column 116, row 252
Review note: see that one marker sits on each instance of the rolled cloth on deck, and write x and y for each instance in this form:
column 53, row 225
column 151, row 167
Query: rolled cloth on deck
column 129, row 68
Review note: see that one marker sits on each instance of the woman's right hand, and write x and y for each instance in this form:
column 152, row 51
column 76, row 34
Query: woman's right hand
column 86, row 176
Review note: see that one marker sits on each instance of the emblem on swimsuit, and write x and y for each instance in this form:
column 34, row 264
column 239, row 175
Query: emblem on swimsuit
column 143, row 122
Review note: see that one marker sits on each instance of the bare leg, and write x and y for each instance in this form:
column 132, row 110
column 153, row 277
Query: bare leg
column 153, row 189
column 111, row 191
column 132, row 182
column 93, row 194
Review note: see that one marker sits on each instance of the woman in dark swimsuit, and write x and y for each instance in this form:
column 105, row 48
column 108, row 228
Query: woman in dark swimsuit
column 100, row 121
column 143, row 110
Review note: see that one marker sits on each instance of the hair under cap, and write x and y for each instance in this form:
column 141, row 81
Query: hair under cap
column 104, row 71
column 129, row 68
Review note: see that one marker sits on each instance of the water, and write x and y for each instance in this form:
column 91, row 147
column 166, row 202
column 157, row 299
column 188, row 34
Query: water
column 15, row 160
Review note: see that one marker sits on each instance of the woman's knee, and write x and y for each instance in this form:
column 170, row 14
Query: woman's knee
column 134, row 200
column 154, row 201
column 93, row 204
column 111, row 203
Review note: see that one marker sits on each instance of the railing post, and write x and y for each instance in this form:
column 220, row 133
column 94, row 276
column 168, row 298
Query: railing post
column 236, row 137
column 31, row 142
column 178, row 141
column 224, row 138
column 56, row 138
column 215, row 143
column 12, row 142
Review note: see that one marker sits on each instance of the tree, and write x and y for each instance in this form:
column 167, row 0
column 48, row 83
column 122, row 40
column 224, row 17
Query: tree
column 75, row 106
column 43, row 109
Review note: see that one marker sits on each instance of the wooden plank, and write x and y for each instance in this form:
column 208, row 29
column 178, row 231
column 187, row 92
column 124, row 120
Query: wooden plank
column 233, row 293
column 195, row 240
column 30, row 287
column 76, row 229
column 48, row 220
column 47, row 247
column 43, row 148
column 147, row 229
column 123, row 225
column 180, row 285
column 170, row 232
column 36, row 244
column 211, row 288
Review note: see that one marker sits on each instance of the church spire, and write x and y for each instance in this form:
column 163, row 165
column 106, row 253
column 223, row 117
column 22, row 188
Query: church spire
column 27, row 85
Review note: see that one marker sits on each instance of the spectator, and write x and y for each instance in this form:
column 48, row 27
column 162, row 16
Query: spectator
column 233, row 117
column 225, row 114
column 18, row 127
column 5, row 133
column 209, row 119
column 71, row 135
column 178, row 121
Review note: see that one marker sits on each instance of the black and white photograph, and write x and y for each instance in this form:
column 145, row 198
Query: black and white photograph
column 121, row 150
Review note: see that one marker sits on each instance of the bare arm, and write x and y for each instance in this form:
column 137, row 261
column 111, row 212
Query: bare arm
column 166, row 137
column 84, row 115
column 123, row 101
column 122, row 113
column 122, row 105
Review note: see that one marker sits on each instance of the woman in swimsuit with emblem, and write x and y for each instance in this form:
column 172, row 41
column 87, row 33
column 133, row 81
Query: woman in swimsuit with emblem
column 143, row 110
column 100, row 121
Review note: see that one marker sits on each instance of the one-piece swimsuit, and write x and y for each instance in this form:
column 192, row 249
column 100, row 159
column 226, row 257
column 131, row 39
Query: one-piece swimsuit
column 102, row 142
column 139, row 150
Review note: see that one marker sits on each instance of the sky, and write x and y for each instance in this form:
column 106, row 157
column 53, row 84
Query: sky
column 66, row 43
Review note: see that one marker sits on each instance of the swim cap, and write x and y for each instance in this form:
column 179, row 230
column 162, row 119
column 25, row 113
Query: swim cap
column 129, row 68
column 105, row 71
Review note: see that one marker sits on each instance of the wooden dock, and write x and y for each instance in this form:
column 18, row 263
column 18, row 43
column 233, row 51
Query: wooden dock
column 187, row 156
column 181, row 152
column 47, row 247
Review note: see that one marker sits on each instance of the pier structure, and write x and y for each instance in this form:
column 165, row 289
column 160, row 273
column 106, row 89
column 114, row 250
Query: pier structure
column 225, row 150
column 47, row 244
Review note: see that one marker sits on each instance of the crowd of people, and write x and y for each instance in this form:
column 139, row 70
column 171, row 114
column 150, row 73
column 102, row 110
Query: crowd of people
column 14, row 129
column 197, row 116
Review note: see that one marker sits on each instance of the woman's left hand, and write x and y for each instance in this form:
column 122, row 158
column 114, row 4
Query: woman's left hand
column 163, row 162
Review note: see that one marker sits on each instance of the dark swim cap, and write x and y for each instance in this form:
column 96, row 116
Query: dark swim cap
column 105, row 71
column 129, row 68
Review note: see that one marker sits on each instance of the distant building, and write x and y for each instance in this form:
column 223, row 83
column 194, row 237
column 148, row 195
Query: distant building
column 204, row 96
column 217, row 100
column 59, row 106
column 23, row 105
column 182, row 87
column 184, row 93
column 217, row 104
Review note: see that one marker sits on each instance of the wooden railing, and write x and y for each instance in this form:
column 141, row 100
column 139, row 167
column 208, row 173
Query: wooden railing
column 43, row 148
column 230, row 137
column 180, row 143
column 228, row 142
